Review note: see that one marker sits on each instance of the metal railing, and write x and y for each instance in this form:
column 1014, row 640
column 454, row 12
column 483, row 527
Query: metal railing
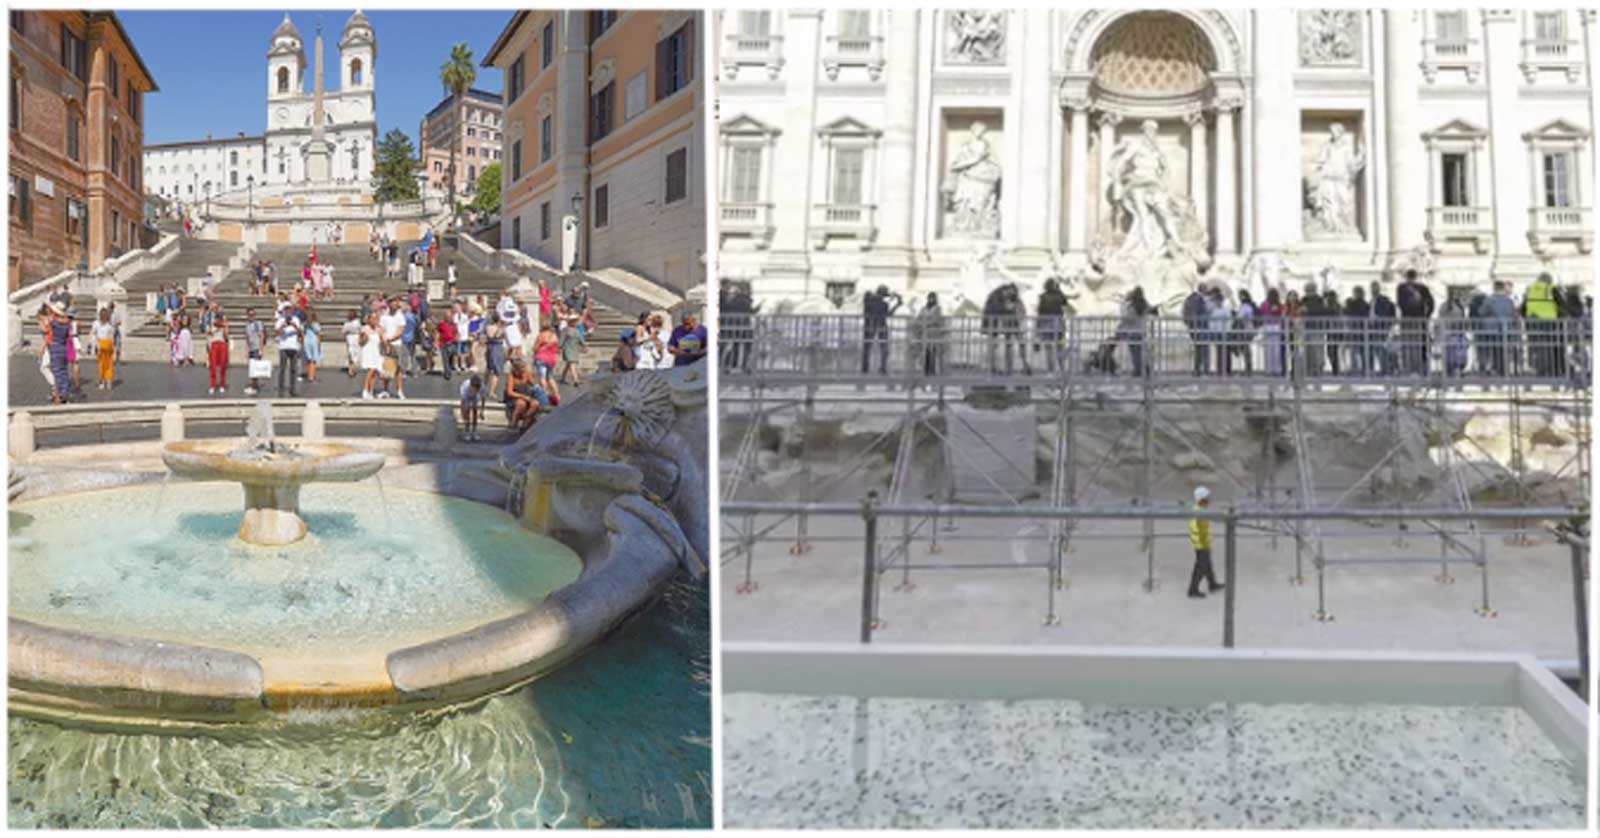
column 796, row 349
column 1570, row 526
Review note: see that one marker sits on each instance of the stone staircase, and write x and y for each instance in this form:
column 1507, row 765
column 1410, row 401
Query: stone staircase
column 356, row 276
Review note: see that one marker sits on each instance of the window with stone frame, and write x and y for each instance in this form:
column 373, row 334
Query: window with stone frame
column 19, row 22
column 744, row 174
column 1455, row 163
column 1550, row 27
column 16, row 100
column 116, row 156
column 602, row 205
column 516, row 161
column 855, row 24
column 74, row 53
column 233, row 178
column 355, row 71
column 544, row 221
column 1457, row 184
column 116, row 78
column 1450, row 27
column 515, row 82
column 602, row 107
column 283, row 79
column 21, row 200
column 675, row 61
column 547, row 45
column 74, row 217
column 757, row 24
column 1556, row 179
column 677, row 175
column 848, row 167
column 599, row 21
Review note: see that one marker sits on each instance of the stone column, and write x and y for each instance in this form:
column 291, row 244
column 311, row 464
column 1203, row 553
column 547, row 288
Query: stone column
column 1277, row 184
column 802, row 39
column 897, row 158
column 1078, row 177
column 1199, row 168
column 1407, row 195
column 1227, row 235
column 1108, row 138
column 1030, row 128
column 1508, row 154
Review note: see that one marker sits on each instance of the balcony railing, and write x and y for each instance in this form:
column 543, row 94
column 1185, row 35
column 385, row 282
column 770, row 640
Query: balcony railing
column 1559, row 55
column 753, row 220
column 752, row 49
column 854, row 51
column 1461, row 54
column 1547, row 225
column 1474, row 224
column 843, row 221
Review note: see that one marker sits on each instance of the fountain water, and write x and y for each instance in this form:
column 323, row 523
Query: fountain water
column 271, row 474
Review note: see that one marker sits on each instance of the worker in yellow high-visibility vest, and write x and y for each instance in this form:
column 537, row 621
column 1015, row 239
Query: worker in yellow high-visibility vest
column 1540, row 309
column 1200, row 540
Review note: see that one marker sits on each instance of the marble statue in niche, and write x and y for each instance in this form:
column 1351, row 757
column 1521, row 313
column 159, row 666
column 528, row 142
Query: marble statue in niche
column 975, row 37
column 1330, row 37
column 1138, row 187
column 972, row 192
column 1331, row 185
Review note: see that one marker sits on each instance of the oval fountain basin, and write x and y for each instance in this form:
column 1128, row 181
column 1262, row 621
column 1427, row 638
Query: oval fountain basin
column 380, row 571
column 235, row 460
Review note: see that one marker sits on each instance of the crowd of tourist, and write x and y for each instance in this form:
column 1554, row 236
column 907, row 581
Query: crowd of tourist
column 1401, row 330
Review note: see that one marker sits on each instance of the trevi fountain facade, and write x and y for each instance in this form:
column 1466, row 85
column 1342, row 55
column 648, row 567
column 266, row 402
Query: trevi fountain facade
column 952, row 150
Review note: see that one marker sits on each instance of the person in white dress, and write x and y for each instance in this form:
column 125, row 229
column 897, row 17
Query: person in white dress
column 352, row 342
column 371, row 355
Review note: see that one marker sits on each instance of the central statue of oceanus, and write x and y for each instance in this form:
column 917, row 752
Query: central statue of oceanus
column 1149, row 235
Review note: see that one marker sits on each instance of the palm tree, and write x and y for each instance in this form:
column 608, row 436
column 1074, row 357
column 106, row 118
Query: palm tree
column 457, row 76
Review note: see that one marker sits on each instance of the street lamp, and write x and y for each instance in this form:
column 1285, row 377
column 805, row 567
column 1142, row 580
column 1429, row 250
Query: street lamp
column 250, row 199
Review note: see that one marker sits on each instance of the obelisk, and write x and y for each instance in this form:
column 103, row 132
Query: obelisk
column 319, row 154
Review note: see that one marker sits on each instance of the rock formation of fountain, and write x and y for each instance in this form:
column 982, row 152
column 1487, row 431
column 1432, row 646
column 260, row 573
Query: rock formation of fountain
column 271, row 474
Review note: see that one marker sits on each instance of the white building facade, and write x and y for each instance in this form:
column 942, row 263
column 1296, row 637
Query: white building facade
column 898, row 147
column 277, row 157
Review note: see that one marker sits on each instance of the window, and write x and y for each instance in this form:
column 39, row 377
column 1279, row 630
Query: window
column 602, row 206
column 472, row 174
column 546, row 139
column 355, row 71
column 755, row 24
column 1550, row 27
column 1557, row 179
column 675, row 61
column 437, row 167
column 135, row 104
column 599, row 22
column 516, row 160
column 17, row 22
column 21, row 200
column 16, row 101
column 283, row 79
column 847, row 166
column 74, row 54
column 472, row 151
column 116, row 227
column 516, row 79
column 72, row 136
column 1452, row 27
column 233, row 178
column 855, row 25
column 547, row 45
column 133, row 172
column 677, row 175
column 116, row 77
column 516, row 233
column 744, row 179
column 116, row 156
column 635, row 95
column 233, row 158
column 601, row 106
column 544, row 221
column 1457, row 192
column 471, row 131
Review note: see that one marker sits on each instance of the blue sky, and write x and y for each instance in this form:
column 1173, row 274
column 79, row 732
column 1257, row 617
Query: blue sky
column 212, row 66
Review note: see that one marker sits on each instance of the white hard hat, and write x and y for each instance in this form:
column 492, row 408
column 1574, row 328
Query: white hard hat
column 1201, row 493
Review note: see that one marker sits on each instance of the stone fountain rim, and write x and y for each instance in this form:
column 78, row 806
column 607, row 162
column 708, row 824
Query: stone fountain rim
column 117, row 681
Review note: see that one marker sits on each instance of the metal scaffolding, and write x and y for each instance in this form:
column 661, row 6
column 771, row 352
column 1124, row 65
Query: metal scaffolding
column 809, row 366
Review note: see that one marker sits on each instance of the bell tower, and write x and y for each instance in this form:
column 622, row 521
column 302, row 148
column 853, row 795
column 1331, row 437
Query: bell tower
column 286, row 62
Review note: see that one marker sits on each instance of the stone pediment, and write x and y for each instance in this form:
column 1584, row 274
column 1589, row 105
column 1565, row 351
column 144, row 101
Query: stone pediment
column 848, row 126
column 745, row 124
column 1559, row 129
column 1456, row 129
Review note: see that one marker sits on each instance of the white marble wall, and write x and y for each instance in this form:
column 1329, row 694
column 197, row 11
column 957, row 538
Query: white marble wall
column 1274, row 72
